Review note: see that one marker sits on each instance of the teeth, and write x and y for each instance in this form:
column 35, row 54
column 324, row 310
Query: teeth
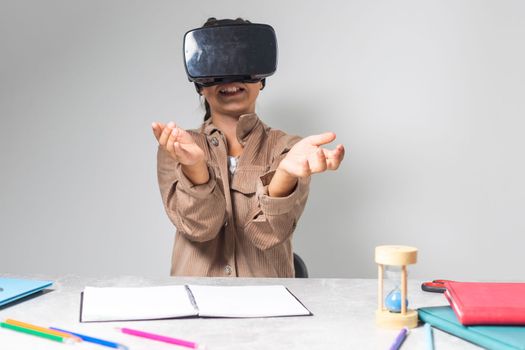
column 230, row 89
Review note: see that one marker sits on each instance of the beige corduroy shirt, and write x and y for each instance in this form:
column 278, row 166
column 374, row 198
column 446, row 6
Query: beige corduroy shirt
column 230, row 226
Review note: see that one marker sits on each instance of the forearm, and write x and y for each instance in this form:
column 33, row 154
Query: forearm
column 200, row 218
column 274, row 218
column 198, row 173
column 197, row 210
column 282, row 184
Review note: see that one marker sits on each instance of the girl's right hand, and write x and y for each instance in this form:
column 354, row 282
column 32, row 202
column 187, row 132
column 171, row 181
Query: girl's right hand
column 178, row 143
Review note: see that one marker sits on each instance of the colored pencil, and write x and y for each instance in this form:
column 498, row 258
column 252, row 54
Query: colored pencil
column 429, row 336
column 93, row 340
column 37, row 333
column 162, row 338
column 42, row 329
column 399, row 339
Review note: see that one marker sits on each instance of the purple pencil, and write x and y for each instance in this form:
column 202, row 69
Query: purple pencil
column 399, row 339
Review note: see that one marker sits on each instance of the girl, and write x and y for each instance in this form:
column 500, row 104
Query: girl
column 235, row 188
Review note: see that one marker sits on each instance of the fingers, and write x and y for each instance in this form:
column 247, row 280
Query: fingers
column 157, row 129
column 172, row 138
column 334, row 157
column 179, row 135
column 175, row 142
column 166, row 132
column 321, row 139
column 325, row 159
column 179, row 151
column 335, row 153
column 184, row 137
column 318, row 162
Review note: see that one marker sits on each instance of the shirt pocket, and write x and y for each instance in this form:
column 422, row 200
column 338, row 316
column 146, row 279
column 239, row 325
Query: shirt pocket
column 217, row 174
column 248, row 187
column 245, row 179
column 244, row 188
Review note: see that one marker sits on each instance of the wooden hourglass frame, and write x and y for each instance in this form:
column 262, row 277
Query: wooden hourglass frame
column 394, row 255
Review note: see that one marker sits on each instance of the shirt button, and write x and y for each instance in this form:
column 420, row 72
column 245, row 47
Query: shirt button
column 228, row 270
column 214, row 141
column 226, row 224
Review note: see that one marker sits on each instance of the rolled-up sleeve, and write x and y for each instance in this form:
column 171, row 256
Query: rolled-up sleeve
column 197, row 211
column 275, row 218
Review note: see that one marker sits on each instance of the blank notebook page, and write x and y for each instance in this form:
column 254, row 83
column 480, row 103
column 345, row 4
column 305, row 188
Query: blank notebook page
column 112, row 304
column 246, row 301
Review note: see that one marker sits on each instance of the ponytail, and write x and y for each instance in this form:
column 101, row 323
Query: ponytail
column 208, row 111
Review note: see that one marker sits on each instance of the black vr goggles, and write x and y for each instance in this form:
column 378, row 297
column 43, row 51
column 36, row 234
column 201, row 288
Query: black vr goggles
column 218, row 54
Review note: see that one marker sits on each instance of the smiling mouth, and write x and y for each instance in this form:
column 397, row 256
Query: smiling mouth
column 231, row 90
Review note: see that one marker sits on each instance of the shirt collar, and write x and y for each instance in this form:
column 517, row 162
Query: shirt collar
column 245, row 125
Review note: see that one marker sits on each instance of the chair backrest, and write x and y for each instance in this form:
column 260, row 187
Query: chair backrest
column 300, row 267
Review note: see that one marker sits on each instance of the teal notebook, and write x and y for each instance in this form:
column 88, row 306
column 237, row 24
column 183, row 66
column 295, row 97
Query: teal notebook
column 490, row 337
column 12, row 289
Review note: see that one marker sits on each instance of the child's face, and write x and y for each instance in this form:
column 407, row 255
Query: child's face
column 232, row 98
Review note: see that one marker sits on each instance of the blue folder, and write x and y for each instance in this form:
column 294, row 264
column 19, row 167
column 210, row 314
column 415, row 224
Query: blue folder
column 489, row 337
column 12, row 289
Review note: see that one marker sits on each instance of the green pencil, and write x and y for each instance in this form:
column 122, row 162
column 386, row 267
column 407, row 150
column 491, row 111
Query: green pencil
column 33, row 332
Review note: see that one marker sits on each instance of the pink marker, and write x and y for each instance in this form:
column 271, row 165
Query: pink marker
column 161, row 338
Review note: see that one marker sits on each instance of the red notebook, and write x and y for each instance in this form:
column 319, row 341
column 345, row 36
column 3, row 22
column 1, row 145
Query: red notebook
column 482, row 303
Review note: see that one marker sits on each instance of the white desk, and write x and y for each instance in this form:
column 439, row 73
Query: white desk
column 343, row 318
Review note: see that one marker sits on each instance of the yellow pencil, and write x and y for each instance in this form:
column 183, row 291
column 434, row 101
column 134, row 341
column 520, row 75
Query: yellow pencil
column 36, row 333
column 42, row 329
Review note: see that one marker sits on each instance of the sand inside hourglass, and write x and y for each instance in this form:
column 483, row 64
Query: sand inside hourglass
column 393, row 298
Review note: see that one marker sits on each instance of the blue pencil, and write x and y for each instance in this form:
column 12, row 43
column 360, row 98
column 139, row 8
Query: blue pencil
column 399, row 339
column 89, row 339
column 429, row 336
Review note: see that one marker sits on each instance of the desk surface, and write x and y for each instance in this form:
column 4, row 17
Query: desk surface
column 343, row 318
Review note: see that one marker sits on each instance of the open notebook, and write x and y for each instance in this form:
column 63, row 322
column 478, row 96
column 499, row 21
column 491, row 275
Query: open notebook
column 145, row 303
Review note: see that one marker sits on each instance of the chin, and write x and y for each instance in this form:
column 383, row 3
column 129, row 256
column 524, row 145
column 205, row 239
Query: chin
column 237, row 111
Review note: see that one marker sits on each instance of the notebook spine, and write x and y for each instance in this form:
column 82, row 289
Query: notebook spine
column 454, row 307
column 192, row 298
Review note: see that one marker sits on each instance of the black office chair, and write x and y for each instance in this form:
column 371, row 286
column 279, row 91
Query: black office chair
column 300, row 267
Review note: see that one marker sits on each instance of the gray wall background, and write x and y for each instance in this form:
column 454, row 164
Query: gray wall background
column 427, row 96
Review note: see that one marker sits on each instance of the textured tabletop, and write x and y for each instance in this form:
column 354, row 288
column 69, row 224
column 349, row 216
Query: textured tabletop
column 343, row 317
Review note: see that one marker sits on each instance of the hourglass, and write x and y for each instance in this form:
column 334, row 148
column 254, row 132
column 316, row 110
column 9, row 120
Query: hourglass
column 392, row 311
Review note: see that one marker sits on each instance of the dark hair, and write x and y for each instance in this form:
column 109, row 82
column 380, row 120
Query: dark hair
column 210, row 22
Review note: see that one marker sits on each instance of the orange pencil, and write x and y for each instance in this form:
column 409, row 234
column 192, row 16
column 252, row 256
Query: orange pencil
column 42, row 329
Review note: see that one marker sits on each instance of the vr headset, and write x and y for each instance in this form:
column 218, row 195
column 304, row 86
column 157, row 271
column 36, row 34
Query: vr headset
column 226, row 53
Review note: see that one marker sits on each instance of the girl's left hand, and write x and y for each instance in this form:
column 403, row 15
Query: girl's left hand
column 307, row 157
